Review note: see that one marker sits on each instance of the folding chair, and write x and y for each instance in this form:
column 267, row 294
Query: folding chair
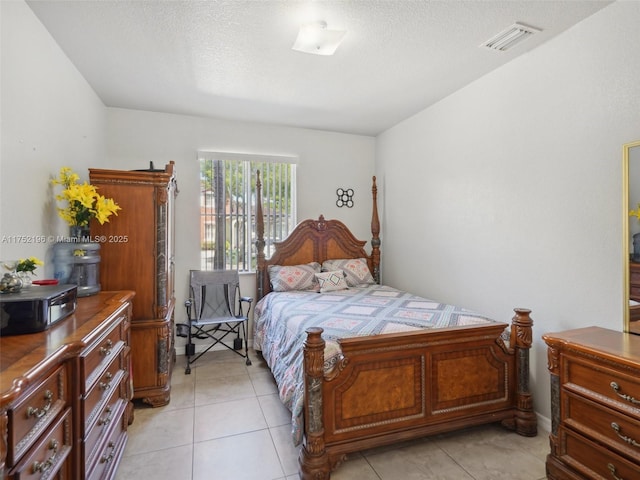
column 213, row 313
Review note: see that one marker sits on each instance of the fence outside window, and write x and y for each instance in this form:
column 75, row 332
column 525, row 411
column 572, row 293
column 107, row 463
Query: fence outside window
column 228, row 202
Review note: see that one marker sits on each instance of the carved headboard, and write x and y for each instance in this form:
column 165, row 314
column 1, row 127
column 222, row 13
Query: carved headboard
column 315, row 241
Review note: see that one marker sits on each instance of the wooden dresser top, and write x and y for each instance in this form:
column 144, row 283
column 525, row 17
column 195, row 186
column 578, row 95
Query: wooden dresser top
column 598, row 341
column 23, row 357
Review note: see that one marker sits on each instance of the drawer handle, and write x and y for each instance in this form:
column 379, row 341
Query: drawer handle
column 628, row 440
column 41, row 412
column 624, row 396
column 41, row 467
column 106, row 385
column 108, row 458
column 106, row 421
column 612, row 469
column 104, row 351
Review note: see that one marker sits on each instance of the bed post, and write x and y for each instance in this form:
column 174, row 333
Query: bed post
column 524, row 421
column 375, row 233
column 260, row 239
column 313, row 459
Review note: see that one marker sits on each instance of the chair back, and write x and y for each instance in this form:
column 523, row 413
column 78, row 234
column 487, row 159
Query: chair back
column 214, row 293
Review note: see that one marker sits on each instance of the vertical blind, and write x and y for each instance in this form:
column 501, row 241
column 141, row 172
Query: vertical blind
column 228, row 206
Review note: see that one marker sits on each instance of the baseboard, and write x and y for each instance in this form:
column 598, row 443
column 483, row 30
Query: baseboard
column 544, row 424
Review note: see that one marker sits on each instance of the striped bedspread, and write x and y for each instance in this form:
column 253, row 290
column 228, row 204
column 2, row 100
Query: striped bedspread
column 281, row 318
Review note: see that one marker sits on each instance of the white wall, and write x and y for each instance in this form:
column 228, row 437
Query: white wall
column 512, row 186
column 50, row 118
column 326, row 161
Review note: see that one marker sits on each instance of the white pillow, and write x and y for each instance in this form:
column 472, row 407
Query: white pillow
column 293, row 277
column 356, row 270
column 331, row 281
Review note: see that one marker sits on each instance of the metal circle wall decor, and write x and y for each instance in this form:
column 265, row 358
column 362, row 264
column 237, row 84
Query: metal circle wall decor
column 345, row 197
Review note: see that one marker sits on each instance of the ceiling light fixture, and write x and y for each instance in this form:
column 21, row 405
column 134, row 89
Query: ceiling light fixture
column 317, row 39
column 509, row 37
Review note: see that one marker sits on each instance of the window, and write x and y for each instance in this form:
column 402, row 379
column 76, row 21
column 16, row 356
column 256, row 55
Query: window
column 228, row 204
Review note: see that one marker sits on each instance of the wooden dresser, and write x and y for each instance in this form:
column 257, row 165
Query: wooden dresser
column 595, row 401
column 137, row 253
column 65, row 394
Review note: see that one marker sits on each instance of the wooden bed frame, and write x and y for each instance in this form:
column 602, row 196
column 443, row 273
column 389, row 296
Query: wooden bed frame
column 394, row 387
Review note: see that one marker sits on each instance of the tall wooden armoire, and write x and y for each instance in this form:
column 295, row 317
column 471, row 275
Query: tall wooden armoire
column 137, row 253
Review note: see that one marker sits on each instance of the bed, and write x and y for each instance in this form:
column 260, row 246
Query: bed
column 439, row 368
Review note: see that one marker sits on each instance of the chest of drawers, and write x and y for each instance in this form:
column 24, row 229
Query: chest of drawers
column 65, row 394
column 104, row 394
column 595, row 394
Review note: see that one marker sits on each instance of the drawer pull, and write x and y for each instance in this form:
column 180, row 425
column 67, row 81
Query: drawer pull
column 104, row 351
column 106, row 421
column 41, row 467
column 612, row 469
column 108, row 458
column 624, row 396
column 41, row 412
column 106, row 385
column 628, row 440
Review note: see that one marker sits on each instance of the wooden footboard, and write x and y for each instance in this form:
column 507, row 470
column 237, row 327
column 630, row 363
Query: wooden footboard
column 395, row 387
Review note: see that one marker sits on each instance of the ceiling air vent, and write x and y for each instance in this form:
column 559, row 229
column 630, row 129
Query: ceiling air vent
column 509, row 37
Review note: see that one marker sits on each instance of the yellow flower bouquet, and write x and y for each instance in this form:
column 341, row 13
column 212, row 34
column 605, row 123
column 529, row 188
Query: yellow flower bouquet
column 83, row 202
column 28, row 265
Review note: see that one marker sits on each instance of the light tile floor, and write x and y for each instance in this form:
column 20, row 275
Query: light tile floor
column 225, row 421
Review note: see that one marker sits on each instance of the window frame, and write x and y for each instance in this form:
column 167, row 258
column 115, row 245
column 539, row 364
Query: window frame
column 278, row 222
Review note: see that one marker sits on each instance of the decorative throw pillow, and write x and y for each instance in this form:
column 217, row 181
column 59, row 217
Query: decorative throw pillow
column 330, row 281
column 356, row 270
column 293, row 277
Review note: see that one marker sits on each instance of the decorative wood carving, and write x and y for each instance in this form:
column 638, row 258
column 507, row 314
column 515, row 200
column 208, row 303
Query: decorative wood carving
column 525, row 421
column 143, row 263
column 50, row 390
column 486, row 394
column 595, row 412
column 3, row 441
column 314, row 241
column 314, row 461
column 375, row 234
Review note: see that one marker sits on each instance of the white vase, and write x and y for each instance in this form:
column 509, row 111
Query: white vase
column 26, row 279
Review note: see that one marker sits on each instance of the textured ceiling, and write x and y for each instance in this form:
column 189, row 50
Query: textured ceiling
column 233, row 58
